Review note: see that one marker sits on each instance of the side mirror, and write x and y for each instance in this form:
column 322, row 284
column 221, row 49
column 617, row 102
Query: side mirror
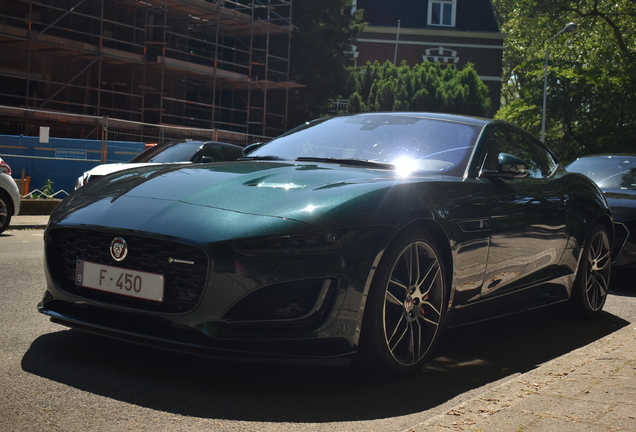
column 207, row 159
column 250, row 148
column 508, row 167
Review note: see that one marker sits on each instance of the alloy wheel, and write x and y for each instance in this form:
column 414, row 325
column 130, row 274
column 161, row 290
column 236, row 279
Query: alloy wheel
column 413, row 303
column 598, row 271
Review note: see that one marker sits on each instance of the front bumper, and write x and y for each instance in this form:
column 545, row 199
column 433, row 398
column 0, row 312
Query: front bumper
column 169, row 337
column 209, row 324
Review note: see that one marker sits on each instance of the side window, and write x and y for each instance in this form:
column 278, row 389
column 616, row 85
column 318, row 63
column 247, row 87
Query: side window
column 213, row 151
column 232, row 153
column 540, row 162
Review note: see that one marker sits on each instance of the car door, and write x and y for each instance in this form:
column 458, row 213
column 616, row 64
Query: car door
column 528, row 230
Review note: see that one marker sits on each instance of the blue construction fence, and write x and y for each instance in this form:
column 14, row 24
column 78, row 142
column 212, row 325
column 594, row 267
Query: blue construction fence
column 61, row 160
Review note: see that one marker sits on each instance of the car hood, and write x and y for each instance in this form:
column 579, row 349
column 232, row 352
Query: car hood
column 623, row 203
column 246, row 199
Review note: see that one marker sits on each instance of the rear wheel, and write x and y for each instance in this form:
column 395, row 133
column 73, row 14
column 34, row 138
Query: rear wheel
column 5, row 211
column 405, row 307
column 592, row 281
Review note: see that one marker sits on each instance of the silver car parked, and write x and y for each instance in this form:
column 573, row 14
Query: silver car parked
column 9, row 196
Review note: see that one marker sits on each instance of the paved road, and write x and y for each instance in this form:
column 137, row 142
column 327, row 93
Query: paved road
column 55, row 379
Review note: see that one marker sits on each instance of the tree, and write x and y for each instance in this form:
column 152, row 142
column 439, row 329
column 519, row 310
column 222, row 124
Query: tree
column 423, row 87
column 592, row 75
column 323, row 34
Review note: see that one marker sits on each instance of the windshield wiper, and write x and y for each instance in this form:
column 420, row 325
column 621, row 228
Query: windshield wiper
column 344, row 161
column 266, row 157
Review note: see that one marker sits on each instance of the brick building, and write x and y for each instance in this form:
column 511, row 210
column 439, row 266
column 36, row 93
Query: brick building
column 453, row 32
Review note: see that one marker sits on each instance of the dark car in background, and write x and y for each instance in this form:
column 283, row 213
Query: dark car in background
column 356, row 237
column 615, row 174
column 174, row 152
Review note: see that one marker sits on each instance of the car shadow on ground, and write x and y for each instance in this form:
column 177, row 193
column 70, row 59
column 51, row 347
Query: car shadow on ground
column 623, row 284
column 468, row 357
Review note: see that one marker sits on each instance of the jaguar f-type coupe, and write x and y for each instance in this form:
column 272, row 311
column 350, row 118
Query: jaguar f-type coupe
column 357, row 237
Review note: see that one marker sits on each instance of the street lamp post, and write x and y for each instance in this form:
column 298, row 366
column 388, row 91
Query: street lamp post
column 570, row 28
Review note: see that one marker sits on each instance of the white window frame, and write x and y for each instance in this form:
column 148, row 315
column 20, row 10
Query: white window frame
column 442, row 3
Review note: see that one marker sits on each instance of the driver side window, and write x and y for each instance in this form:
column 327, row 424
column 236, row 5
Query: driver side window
column 540, row 162
column 213, row 151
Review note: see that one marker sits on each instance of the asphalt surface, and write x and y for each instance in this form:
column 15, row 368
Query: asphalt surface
column 590, row 388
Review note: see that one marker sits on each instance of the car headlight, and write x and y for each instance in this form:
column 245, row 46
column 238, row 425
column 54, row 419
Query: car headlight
column 314, row 242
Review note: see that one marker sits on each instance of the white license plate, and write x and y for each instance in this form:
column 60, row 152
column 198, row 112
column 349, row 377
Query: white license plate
column 117, row 280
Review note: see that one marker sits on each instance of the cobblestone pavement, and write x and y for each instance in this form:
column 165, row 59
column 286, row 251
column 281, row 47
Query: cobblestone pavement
column 589, row 389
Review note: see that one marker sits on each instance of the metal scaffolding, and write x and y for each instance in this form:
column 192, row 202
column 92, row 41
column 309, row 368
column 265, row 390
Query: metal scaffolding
column 216, row 64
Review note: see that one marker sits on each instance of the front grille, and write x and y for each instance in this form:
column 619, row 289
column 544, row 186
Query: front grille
column 184, row 283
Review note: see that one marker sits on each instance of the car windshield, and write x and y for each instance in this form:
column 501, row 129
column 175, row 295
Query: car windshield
column 609, row 172
column 425, row 144
column 179, row 152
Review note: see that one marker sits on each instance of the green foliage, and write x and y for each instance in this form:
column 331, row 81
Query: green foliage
column 591, row 96
column 323, row 34
column 47, row 191
column 424, row 87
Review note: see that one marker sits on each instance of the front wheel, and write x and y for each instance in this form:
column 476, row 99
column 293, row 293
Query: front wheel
column 592, row 280
column 405, row 308
column 5, row 211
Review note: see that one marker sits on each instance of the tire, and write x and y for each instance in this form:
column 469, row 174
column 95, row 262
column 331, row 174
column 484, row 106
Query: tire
column 593, row 277
column 5, row 211
column 405, row 308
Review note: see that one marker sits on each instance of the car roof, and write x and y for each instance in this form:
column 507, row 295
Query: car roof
column 153, row 150
column 174, row 143
column 480, row 121
column 221, row 143
column 606, row 155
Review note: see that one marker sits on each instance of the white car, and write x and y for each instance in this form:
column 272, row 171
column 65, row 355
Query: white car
column 9, row 196
column 176, row 152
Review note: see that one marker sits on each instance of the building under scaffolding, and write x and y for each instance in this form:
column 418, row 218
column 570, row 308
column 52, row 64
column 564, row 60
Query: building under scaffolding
column 215, row 64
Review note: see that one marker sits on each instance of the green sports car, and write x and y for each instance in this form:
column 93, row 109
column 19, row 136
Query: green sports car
column 355, row 237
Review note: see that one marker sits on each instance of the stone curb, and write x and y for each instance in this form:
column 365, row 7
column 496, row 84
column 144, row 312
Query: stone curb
column 28, row 222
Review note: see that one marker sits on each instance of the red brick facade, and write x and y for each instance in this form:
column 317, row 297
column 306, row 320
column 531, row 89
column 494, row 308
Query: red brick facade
column 479, row 43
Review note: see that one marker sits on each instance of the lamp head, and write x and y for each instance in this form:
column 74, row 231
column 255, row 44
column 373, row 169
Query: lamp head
column 570, row 28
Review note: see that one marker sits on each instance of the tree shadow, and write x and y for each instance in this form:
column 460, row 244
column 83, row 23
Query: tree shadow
column 467, row 358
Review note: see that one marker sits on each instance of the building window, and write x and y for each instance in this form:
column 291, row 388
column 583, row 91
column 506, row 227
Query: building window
column 442, row 12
